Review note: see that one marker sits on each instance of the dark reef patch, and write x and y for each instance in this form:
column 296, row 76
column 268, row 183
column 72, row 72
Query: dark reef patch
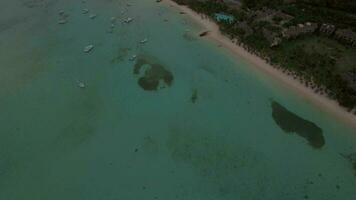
column 154, row 76
column 194, row 96
column 292, row 123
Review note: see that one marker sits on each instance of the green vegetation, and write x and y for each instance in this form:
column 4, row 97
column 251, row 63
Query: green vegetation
column 342, row 5
column 253, row 4
column 317, row 60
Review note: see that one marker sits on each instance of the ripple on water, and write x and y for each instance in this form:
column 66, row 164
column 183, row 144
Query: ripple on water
column 153, row 75
column 292, row 123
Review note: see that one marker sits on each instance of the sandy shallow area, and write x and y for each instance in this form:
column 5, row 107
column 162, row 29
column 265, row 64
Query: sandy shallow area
column 322, row 101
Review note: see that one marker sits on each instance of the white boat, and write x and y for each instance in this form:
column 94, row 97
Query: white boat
column 92, row 16
column 62, row 21
column 81, row 84
column 85, row 11
column 128, row 20
column 113, row 19
column 133, row 58
column 88, row 48
column 144, row 41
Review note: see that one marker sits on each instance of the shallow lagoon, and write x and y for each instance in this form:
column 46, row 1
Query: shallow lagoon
column 208, row 134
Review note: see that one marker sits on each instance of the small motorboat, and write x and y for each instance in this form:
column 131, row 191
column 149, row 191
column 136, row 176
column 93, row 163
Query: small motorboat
column 128, row 20
column 133, row 57
column 81, row 84
column 144, row 41
column 203, row 34
column 88, row 48
column 62, row 21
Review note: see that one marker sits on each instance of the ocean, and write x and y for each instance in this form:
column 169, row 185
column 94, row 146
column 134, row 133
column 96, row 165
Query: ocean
column 153, row 111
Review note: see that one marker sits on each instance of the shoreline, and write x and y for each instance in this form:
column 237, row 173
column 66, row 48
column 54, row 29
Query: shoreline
column 322, row 101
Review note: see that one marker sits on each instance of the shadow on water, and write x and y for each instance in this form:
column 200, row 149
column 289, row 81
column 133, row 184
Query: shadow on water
column 153, row 75
column 194, row 96
column 292, row 123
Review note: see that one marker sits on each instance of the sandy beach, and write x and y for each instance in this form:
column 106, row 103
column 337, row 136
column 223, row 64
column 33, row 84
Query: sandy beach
column 322, row 101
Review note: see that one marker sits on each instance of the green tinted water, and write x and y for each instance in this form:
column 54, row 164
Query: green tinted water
column 188, row 122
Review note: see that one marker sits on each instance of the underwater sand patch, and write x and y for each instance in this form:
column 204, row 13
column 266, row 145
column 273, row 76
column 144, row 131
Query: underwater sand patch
column 217, row 160
column 153, row 75
column 121, row 55
column 292, row 123
column 35, row 3
column 189, row 37
column 150, row 145
column 352, row 159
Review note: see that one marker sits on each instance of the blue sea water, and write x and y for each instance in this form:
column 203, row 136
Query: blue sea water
column 209, row 132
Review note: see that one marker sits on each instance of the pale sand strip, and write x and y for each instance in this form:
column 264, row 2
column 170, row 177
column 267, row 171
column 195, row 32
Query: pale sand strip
column 325, row 103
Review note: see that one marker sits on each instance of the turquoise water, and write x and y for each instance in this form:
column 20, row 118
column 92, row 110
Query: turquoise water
column 190, row 122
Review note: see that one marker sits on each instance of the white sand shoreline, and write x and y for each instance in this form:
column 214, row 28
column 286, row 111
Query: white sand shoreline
column 322, row 101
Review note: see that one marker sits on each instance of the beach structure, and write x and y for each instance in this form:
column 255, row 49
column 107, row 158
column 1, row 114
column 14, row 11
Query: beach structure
column 245, row 28
column 301, row 29
column 327, row 29
column 271, row 37
column 350, row 78
column 346, row 35
column 289, row 1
